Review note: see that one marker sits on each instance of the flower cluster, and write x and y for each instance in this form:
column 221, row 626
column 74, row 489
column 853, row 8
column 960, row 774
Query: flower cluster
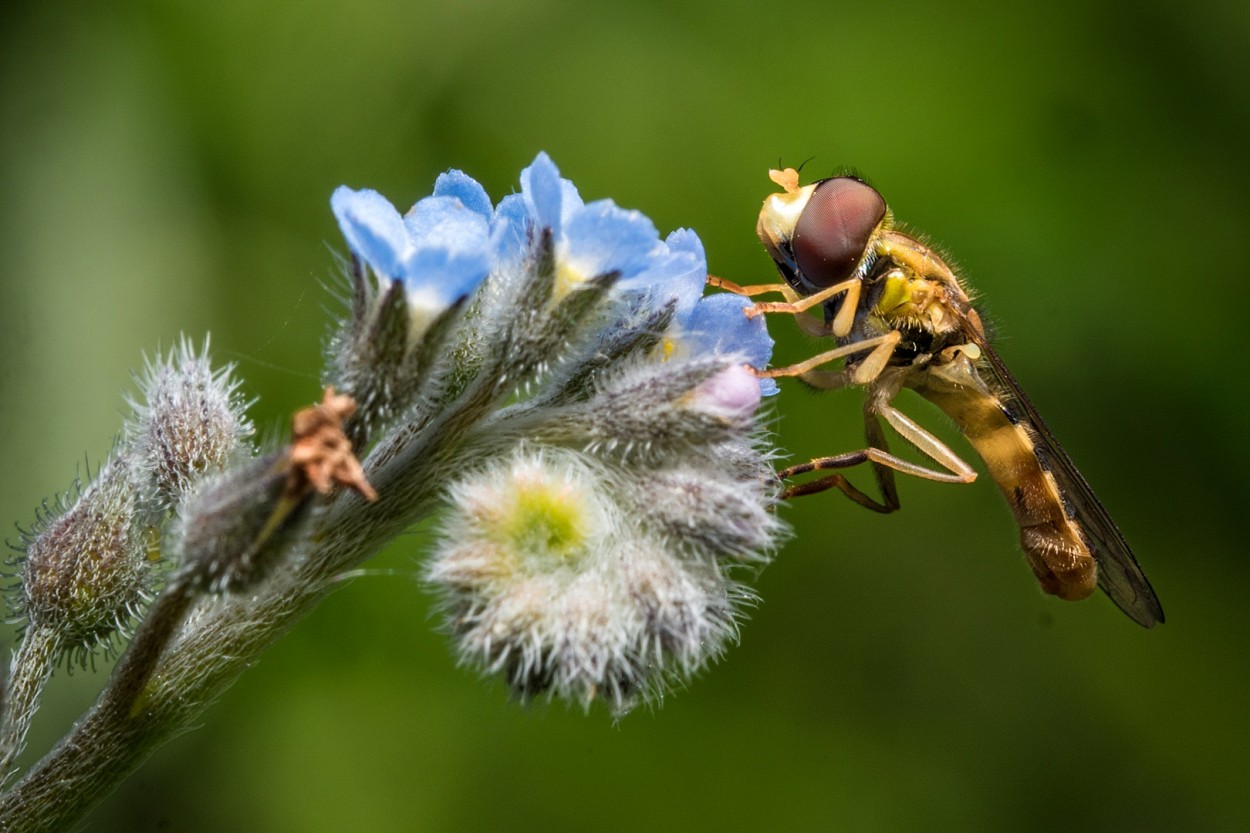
column 542, row 375
column 588, row 548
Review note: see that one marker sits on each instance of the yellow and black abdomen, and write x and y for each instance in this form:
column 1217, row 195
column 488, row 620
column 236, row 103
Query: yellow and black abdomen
column 1051, row 539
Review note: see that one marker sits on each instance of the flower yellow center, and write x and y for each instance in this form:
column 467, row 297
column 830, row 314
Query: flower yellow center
column 546, row 522
column 568, row 278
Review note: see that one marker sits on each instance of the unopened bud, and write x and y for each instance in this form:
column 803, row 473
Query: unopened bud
column 191, row 423
column 733, row 392
column 87, row 572
column 657, row 409
column 701, row 509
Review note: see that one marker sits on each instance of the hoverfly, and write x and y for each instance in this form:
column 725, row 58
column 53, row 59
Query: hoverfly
column 901, row 318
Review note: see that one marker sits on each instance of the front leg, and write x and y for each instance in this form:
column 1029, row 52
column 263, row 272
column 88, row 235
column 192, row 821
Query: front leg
column 842, row 322
column 751, row 291
column 879, row 348
column 810, row 324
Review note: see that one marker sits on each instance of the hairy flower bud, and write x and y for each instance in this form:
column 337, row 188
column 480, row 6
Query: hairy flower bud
column 654, row 410
column 733, row 393
column 85, row 574
column 190, row 424
column 83, row 577
column 706, row 510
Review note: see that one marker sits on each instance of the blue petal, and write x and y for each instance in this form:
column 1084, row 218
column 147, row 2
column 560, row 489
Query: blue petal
column 436, row 278
column 602, row 238
column 465, row 188
column 510, row 230
column 450, row 252
column 570, row 201
column 719, row 325
column 680, row 275
column 372, row 227
column 544, row 191
column 445, row 223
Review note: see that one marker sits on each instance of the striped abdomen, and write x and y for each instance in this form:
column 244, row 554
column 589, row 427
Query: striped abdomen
column 1050, row 537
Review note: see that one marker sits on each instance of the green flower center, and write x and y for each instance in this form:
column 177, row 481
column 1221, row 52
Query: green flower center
column 546, row 524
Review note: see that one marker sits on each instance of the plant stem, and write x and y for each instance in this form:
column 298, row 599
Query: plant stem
column 32, row 666
column 128, row 723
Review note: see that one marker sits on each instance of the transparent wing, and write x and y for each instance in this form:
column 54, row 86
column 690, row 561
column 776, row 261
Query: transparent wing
column 1119, row 574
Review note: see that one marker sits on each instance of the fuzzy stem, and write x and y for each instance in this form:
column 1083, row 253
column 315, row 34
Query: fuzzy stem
column 112, row 740
column 161, row 623
column 126, row 725
column 154, row 695
column 32, row 665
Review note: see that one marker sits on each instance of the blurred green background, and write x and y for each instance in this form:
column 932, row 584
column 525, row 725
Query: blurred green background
column 166, row 168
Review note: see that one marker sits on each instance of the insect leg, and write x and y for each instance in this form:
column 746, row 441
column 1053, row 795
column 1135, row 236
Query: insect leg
column 930, row 446
column 880, row 458
column 879, row 349
column 883, row 459
column 884, row 464
column 874, row 437
column 810, row 324
column 827, row 379
column 846, row 313
column 750, row 291
column 834, row 481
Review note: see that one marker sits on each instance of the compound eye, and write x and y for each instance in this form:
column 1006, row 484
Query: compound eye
column 834, row 229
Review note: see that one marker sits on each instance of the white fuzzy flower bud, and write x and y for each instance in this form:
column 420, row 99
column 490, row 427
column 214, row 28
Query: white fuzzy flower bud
column 654, row 410
column 701, row 507
column 548, row 578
